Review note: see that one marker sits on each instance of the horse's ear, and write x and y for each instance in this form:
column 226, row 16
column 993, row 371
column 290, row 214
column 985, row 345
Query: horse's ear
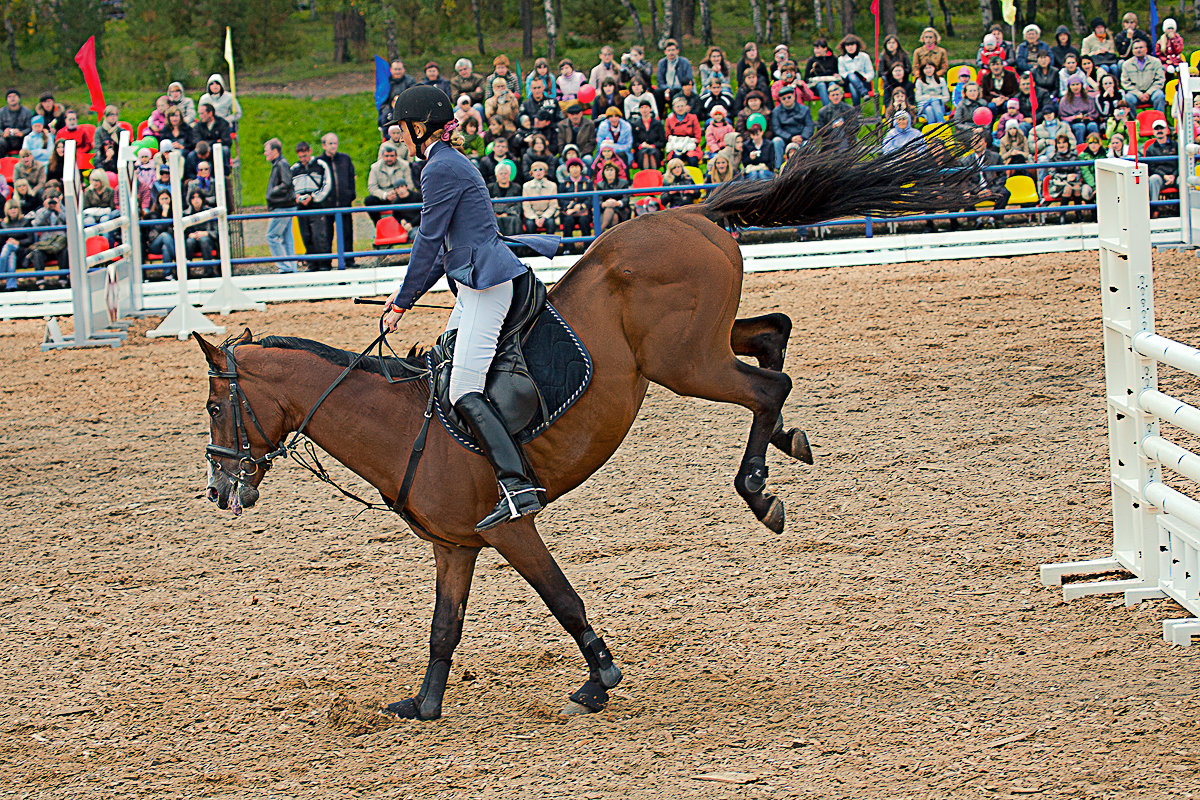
column 245, row 338
column 211, row 353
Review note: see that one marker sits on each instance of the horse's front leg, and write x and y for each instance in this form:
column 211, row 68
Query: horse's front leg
column 455, row 567
column 520, row 544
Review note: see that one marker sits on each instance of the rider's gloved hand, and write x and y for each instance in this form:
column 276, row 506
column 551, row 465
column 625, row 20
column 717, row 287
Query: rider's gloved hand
column 391, row 317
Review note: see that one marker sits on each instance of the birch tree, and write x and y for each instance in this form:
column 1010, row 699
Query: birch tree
column 756, row 13
column 706, row 34
column 639, row 32
column 785, row 24
column 551, row 32
column 818, row 18
column 1078, row 21
column 847, row 17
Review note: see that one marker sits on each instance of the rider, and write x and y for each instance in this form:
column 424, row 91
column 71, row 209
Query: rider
column 458, row 238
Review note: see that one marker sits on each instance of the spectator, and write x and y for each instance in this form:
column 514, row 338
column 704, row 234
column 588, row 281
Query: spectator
column 500, row 70
column 614, row 208
column 677, row 176
column 791, row 123
column 312, row 183
column 1014, row 147
column 639, row 91
column 1128, row 35
column 53, row 115
column 782, row 55
column 576, row 211
column 750, row 62
column 1106, row 102
column 999, row 83
column 789, row 76
column 838, row 121
column 607, row 68
column 204, row 184
column 897, row 79
column 714, row 134
column 1093, row 149
column 158, row 238
column 715, row 67
column 72, row 131
column 569, row 81
column 673, row 70
column 608, row 155
column 144, row 173
column 396, row 138
column 901, row 134
column 854, row 65
column 892, row 55
column 473, row 144
column 1065, row 181
column 606, row 98
column 932, row 94
column 719, row 169
column 992, row 46
column 1162, row 175
column 568, row 152
column 281, row 196
column 1027, row 50
column 749, row 86
column 1044, row 75
column 30, row 169
column 578, row 130
column 1012, row 113
column 617, row 131
column 54, row 169
column 732, row 151
column 991, row 182
column 30, row 200
column 931, row 52
column 49, row 245
column 1078, row 110
column 1143, row 78
column 540, row 216
column 500, row 152
column 1006, row 48
column 821, row 70
column 539, row 150
column 38, row 141
column 508, row 215
column 157, row 120
column 463, row 111
column 16, row 122
column 398, row 81
column 649, row 137
column 758, row 156
column 1046, row 132
column 177, row 131
column 1062, row 46
column 899, row 104
column 211, row 127
column 1091, row 76
column 683, row 133
column 469, row 82
column 1117, row 147
column 635, row 65
column 1044, row 101
column 163, row 181
column 1169, row 48
column 502, row 103
column 341, row 195
column 755, row 104
column 176, row 98
column 108, row 129
column 201, row 152
column 433, row 77
column 1069, row 70
column 715, row 95
column 16, row 243
column 688, row 93
column 964, row 78
column 98, row 201
column 1101, row 47
column 200, row 238
column 106, row 159
column 1120, row 119
column 533, row 120
column 224, row 104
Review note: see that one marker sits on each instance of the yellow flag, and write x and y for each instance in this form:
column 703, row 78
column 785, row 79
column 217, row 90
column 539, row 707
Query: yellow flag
column 233, row 82
column 1008, row 10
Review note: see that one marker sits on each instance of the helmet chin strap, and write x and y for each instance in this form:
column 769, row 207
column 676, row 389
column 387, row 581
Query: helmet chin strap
column 419, row 141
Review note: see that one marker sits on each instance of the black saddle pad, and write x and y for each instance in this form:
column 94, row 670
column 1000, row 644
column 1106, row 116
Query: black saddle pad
column 561, row 368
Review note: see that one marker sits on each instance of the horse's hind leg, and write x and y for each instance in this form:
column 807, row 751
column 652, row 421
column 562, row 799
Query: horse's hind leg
column 519, row 543
column 765, row 338
column 455, row 567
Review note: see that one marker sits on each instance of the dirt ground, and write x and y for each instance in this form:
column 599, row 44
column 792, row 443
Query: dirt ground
column 894, row 642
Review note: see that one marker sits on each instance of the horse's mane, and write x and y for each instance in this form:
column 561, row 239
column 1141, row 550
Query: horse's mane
column 395, row 367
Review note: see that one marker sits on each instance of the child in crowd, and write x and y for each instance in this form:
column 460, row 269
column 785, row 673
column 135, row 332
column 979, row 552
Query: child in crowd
column 714, row 134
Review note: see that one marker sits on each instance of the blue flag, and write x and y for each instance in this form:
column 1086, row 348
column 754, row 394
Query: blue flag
column 1153, row 24
column 383, row 76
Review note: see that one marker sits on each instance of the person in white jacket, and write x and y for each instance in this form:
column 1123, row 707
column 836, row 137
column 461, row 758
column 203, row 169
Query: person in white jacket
column 225, row 104
column 855, row 67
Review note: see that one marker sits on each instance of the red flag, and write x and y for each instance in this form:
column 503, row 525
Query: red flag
column 1033, row 106
column 1132, row 127
column 875, row 7
column 86, row 59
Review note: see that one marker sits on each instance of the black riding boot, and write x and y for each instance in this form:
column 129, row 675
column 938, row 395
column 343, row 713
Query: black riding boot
column 518, row 495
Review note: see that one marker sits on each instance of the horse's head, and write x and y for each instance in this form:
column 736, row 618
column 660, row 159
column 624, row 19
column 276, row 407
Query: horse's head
column 244, row 427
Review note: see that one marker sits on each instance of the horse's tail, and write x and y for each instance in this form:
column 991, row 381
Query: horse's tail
column 827, row 180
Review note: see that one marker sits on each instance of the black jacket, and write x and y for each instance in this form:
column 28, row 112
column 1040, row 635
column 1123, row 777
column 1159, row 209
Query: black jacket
column 10, row 228
column 216, row 132
column 279, row 185
column 341, row 168
column 1167, row 149
column 655, row 134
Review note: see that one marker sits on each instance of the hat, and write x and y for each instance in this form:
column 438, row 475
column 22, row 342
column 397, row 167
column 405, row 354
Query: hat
column 612, row 111
column 989, row 41
column 719, row 109
column 163, row 168
column 1158, row 123
column 46, row 96
column 545, row 114
column 607, row 144
column 1168, row 25
column 433, row 64
column 13, row 90
column 786, row 90
column 574, row 161
column 1076, row 78
column 37, row 120
column 896, row 117
column 575, row 108
column 1032, row 27
column 1011, row 125
column 964, row 72
column 789, row 64
column 756, row 119
column 1013, row 103
column 779, row 47
column 571, row 146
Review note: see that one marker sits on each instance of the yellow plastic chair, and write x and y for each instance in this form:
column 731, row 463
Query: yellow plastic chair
column 297, row 239
column 1194, row 60
column 1022, row 191
column 1172, row 87
column 697, row 178
column 946, row 134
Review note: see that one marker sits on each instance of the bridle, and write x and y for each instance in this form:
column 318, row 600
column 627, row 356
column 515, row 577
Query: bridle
column 249, row 465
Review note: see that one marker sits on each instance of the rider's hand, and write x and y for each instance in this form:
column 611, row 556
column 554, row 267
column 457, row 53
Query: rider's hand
column 392, row 317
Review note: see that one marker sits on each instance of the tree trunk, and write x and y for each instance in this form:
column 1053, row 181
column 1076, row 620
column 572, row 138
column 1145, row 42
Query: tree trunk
column 11, row 32
column 785, row 23
column 818, row 19
column 706, row 35
column 829, row 17
column 1031, row 9
column 688, row 12
column 756, row 13
column 770, row 26
column 1078, row 21
column 654, row 26
column 668, row 23
column 985, row 11
column 340, row 36
column 557, row 15
column 1114, row 13
column 357, row 27
column 526, row 29
column 929, row 11
column 676, row 25
column 389, row 34
column 1195, row 14
column 639, row 32
column 478, row 26
column 847, row 17
column 887, row 18
column 551, row 32
column 948, row 21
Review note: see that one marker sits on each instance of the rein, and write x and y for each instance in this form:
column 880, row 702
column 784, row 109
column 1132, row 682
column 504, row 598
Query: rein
column 248, row 465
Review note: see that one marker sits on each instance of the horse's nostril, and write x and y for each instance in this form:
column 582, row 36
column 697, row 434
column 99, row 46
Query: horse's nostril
column 211, row 493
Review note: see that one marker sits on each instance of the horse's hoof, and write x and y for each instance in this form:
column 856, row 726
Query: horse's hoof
column 799, row 449
column 774, row 516
column 408, row 709
column 573, row 709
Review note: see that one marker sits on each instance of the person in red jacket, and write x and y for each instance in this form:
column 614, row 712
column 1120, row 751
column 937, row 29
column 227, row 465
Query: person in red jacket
column 998, row 82
column 72, row 131
column 682, row 125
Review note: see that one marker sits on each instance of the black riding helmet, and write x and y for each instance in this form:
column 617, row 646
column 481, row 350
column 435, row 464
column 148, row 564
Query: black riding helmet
column 425, row 104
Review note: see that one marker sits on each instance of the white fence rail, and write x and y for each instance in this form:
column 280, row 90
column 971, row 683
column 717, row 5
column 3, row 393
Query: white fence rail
column 1156, row 528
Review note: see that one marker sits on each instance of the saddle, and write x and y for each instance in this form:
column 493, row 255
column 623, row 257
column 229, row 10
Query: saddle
column 510, row 387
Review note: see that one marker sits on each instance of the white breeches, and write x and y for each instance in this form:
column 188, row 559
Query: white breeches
column 478, row 315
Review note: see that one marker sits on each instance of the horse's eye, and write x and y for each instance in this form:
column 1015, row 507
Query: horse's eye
column 214, row 410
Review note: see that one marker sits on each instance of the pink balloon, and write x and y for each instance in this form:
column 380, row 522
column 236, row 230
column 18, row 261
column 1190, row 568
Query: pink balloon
column 982, row 117
column 587, row 93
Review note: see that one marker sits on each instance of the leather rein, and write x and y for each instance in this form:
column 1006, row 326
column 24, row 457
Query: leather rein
column 249, row 465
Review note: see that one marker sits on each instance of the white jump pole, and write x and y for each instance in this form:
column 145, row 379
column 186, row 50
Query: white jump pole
column 184, row 319
column 227, row 298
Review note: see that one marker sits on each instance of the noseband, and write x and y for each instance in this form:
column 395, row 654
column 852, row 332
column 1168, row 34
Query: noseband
column 239, row 408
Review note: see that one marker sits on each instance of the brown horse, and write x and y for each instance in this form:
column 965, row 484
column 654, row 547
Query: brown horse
column 654, row 300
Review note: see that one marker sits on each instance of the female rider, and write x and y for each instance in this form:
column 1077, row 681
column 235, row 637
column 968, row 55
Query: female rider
column 458, row 238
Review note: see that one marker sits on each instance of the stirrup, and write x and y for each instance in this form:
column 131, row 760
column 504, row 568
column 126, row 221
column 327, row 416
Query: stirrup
column 512, row 505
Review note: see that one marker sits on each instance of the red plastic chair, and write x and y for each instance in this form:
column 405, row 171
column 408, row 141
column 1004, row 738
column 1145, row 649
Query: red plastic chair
column 96, row 244
column 388, row 232
column 90, row 128
column 83, row 160
column 127, row 127
column 647, row 179
column 1145, row 122
column 142, row 126
column 7, row 165
column 112, row 180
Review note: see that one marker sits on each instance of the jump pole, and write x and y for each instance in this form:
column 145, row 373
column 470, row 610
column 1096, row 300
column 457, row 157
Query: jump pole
column 184, row 319
column 227, row 298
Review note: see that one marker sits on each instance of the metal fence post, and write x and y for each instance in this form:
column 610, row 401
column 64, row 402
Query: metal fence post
column 337, row 238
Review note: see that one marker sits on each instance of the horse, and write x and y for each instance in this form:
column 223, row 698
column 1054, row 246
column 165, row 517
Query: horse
column 654, row 300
